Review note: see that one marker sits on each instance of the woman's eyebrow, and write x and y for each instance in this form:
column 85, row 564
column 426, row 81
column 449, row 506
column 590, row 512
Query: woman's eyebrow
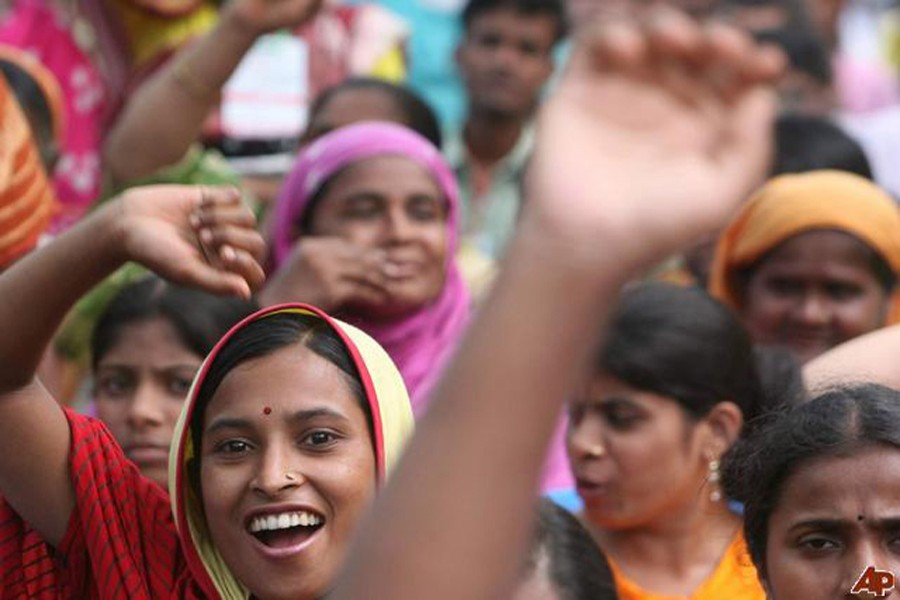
column 315, row 413
column 835, row 524
column 223, row 423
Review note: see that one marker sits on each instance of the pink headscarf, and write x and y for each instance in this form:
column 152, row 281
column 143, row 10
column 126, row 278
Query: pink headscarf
column 420, row 342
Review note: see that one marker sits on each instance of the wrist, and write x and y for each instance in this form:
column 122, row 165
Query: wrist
column 238, row 27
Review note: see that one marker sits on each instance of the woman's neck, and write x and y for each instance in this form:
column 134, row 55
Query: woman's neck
column 673, row 555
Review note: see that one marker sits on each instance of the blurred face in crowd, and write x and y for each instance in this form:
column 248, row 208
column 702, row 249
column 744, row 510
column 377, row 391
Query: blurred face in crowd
column 505, row 59
column 835, row 517
column 393, row 205
column 139, row 388
column 636, row 456
column 813, row 292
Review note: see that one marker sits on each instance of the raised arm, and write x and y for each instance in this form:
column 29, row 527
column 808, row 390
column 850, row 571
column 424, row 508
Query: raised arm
column 166, row 114
column 161, row 227
column 871, row 357
column 656, row 133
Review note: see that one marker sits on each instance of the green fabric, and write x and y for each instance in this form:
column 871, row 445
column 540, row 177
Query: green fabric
column 199, row 167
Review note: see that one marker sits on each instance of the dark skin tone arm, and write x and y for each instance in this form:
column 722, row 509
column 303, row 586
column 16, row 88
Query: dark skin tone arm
column 454, row 524
column 186, row 89
column 160, row 227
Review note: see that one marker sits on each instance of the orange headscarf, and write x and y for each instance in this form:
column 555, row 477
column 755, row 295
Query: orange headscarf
column 793, row 204
column 44, row 79
column 26, row 199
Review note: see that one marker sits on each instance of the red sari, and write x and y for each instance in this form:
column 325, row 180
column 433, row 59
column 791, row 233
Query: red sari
column 121, row 541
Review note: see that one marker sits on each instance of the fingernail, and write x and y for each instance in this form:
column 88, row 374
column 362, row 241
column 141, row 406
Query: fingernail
column 391, row 269
column 228, row 253
column 194, row 220
column 206, row 236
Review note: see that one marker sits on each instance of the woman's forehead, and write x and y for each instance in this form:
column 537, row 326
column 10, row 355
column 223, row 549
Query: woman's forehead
column 290, row 380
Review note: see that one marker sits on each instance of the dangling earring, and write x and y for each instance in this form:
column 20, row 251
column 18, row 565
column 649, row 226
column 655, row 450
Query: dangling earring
column 715, row 494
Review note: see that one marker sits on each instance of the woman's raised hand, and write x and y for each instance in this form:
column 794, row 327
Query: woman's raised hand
column 659, row 128
column 330, row 273
column 198, row 236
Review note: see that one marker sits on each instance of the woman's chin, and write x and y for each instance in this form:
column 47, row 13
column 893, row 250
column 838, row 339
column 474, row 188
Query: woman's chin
column 395, row 307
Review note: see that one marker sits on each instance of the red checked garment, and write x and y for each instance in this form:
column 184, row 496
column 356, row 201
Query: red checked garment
column 121, row 541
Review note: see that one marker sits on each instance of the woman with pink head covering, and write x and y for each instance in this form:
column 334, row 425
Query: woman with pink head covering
column 366, row 227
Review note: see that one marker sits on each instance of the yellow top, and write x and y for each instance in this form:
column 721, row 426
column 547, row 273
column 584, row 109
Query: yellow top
column 734, row 579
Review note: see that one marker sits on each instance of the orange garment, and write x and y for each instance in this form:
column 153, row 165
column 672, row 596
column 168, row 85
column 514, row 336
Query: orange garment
column 734, row 579
column 793, row 204
column 44, row 79
column 26, row 200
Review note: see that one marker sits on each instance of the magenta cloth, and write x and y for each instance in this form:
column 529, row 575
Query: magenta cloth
column 557, row 475
column 35, row 27
column 419, row 343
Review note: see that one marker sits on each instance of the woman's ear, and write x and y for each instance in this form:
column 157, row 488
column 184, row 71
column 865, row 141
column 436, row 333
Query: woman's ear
column 724, row 421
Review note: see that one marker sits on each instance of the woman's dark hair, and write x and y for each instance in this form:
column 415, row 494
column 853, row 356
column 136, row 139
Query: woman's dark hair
column 417, row 114
column 264, row 337
column 680, row 342
column 810, row 143
column 575, row 565
column 198, row 318
column 837, row 423
column 781, row 385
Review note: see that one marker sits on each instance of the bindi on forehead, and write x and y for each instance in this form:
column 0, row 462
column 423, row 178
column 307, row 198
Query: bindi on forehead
column 267, row 410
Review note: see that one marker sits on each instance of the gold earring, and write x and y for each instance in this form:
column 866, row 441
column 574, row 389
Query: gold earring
column 715, row 494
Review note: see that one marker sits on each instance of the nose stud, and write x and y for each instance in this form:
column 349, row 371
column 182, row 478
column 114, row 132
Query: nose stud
column 595, row 451
column 289, row 477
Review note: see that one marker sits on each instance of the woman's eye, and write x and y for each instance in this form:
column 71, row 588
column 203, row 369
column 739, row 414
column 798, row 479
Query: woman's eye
column 785, row 287
column 620, row 419
column 233, row 447
column 114, row 386
column 425, row 209
column 179, row 386
column 320, row 439
column 843, row 291
column 818, row 543
column 576, row 413
column 362, row 208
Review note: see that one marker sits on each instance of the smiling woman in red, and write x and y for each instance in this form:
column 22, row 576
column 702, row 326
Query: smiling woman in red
column 291, row 424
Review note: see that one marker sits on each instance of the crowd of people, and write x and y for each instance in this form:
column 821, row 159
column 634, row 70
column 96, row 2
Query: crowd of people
column 274, row 327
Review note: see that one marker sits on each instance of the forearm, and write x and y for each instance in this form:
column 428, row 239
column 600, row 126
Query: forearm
column 39, row 290
column 521, row 359
column 871, row 357
column 167, row 113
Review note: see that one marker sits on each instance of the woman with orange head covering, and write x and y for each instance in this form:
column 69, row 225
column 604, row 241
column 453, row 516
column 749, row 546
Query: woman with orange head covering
column 26, row 201
column 40, row 97
column 812, row 261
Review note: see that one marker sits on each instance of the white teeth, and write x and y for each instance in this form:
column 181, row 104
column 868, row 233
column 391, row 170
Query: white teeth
column 284, row 521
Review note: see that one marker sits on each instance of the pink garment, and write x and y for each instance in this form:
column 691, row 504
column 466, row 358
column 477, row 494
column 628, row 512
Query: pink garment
column 36, row 28
column 557, row 475
column 421, row 342
column 864, row 86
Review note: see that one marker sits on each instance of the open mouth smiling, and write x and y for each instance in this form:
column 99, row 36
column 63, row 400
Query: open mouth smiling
column 285, row 533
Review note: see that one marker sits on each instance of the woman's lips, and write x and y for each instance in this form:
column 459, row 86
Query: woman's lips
column 148, row 455
column 589, row 488
column 289, row 550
